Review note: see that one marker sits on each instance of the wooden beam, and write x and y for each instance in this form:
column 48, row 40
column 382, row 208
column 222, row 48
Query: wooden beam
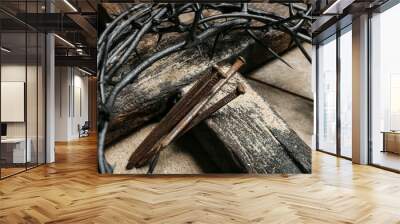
column 89, row 30
column 146, row 98
column 248, row 135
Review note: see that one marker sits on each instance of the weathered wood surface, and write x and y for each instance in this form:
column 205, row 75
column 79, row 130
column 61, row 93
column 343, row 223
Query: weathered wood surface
column 147, row 98
column 248, row 135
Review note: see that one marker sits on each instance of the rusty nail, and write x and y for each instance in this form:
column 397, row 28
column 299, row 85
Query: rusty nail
column 185, row 121
column 200, row 90
column 240, row 89
column 140, row 158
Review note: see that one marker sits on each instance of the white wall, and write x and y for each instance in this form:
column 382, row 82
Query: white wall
column 61, row 103
column 80, row 89
column 69, row 112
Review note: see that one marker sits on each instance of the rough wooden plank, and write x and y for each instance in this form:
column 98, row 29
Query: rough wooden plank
column 176, row 158
column 246, row 136
column 249, row 133
column 297, row 111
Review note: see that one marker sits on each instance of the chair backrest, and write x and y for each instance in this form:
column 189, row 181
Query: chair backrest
column 86, row 125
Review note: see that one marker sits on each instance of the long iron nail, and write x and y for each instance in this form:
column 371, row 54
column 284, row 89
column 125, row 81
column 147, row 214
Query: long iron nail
column 184, row 105
column 240, row 89
column 192, row 114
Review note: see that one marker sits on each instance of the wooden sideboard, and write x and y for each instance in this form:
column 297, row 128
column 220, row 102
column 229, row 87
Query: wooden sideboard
column 391, row 141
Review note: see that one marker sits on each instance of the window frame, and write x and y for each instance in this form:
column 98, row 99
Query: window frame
column 380, row 9
column 31, row 30
column 339, row 32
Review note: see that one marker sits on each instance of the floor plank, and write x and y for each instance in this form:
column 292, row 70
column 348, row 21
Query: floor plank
column 71, row 191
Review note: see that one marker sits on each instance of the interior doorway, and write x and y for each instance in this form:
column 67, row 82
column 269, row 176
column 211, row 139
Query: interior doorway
column 75, row 104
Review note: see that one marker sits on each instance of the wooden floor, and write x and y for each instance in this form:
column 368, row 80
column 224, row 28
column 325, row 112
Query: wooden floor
column 71, row 191
column 387, row 159
column 5, row 172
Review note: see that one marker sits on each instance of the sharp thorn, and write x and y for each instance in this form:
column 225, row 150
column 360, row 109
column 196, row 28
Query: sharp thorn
column 303, row 50
column 268, row 48
column 214, row 45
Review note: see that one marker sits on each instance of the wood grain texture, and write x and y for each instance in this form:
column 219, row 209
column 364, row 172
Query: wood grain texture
column 245, row 136
column 251, row 133
column 146, row 98
column 71, row 191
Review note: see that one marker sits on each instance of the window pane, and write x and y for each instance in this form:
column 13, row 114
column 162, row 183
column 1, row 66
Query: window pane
column 346, row 93
column 31, row 98
column 385, row 86
column 32, row 87
column 327, row 96
column 14, row 153
column 41, row 98
column 23, row 86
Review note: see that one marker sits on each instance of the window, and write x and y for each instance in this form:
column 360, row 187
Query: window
column 327, row 95
column 334, row 97
column 385, row 89
column 22, row 101
column 346, row 75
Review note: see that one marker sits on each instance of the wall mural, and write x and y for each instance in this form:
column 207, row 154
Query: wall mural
column 204, row 88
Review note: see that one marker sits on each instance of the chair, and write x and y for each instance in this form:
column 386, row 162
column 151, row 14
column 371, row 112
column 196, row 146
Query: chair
column 84, row 130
